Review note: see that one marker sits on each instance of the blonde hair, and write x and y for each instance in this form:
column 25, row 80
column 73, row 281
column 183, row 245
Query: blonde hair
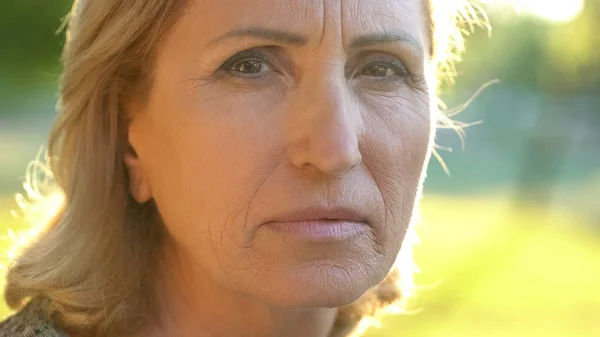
column 96, row 257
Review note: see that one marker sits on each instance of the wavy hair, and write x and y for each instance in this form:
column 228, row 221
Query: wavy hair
column 96, row 254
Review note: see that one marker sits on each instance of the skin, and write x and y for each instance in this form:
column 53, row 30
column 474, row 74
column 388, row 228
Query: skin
column 310, row 118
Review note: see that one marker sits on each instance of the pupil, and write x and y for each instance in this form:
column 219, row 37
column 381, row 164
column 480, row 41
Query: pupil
column 379, row 71
column 249, row 67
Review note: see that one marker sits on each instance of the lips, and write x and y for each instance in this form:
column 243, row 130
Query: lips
column 320, row 224
column 320, row 213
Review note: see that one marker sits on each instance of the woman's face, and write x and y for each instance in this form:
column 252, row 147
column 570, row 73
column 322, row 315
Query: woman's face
column 265, row 108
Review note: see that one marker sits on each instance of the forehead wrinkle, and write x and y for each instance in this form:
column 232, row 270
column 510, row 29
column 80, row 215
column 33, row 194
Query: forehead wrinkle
column 423, row 15
column 332, row 16
column 341, row 25
column 323, row 22
column 301, row 11
column 398, row 17
column 347, row 14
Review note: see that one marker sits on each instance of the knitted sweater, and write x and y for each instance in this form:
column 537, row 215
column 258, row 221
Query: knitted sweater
column 33, row 320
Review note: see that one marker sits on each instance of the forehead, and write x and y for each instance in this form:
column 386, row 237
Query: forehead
column 314, row 19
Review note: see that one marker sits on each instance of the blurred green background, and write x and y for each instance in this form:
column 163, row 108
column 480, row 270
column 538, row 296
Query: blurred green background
column 510, row 241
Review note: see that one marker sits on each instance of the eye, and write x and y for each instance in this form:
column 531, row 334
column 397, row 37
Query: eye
column 250, row 67
column 382, row 70
column 377, row 70
column 250, row 63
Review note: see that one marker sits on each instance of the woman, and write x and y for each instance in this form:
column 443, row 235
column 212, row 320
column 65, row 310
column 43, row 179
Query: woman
column 235, row 167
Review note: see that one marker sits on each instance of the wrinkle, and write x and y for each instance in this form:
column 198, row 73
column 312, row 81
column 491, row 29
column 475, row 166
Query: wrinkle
column 378, row 245
column 252, row 199
column 324, row 26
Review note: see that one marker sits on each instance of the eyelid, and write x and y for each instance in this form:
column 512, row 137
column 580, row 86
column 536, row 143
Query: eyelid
column 255, row 53
column 378, row 57
column 397, row 66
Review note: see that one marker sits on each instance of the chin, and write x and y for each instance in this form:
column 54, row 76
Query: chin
column 322, row 285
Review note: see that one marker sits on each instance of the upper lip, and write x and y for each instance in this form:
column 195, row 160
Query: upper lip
column 320, row 213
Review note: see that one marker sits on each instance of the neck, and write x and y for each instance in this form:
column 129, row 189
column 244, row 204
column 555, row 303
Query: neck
column 192, row 305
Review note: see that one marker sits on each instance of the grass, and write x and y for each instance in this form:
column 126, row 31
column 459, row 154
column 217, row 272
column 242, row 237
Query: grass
column 500, row 270
column 504, row 271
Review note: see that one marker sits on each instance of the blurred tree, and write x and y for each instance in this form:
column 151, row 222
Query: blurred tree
column 572, row 62
column 559, row 59
column 29, row 43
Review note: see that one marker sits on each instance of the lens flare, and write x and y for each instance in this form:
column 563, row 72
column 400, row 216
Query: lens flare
column 560, row 11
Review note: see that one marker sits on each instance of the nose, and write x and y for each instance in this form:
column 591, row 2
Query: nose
column 325, row 129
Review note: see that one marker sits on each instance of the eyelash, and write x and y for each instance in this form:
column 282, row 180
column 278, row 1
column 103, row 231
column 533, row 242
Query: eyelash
column 395, row 65
column 245, row 56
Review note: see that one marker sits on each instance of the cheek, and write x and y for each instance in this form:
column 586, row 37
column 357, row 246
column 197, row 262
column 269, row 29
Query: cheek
column 399, row 132
column 397, row 147
column 212, row 155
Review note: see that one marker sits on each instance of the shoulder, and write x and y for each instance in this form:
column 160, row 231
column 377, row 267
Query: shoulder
column 32, row 321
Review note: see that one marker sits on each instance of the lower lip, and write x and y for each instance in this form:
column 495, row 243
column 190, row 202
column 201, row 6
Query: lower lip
column 319, row 229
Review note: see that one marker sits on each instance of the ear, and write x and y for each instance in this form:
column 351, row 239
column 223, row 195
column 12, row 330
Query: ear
column 139, row 185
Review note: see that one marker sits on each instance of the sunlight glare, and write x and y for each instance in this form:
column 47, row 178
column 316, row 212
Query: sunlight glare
column 559, row 11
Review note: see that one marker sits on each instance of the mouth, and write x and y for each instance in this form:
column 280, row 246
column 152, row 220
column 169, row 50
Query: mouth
column 320, row 224
column 319, row 230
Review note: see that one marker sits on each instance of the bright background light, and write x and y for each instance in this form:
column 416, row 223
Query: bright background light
column 552, row 10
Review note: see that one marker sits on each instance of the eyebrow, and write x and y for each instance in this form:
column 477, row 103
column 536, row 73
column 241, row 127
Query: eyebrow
column 386, row 38
column 264, row 33
column 359, row 42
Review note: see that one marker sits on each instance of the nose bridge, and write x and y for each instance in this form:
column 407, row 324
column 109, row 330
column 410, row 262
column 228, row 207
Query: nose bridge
column 325, row 127
column 327, row 99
